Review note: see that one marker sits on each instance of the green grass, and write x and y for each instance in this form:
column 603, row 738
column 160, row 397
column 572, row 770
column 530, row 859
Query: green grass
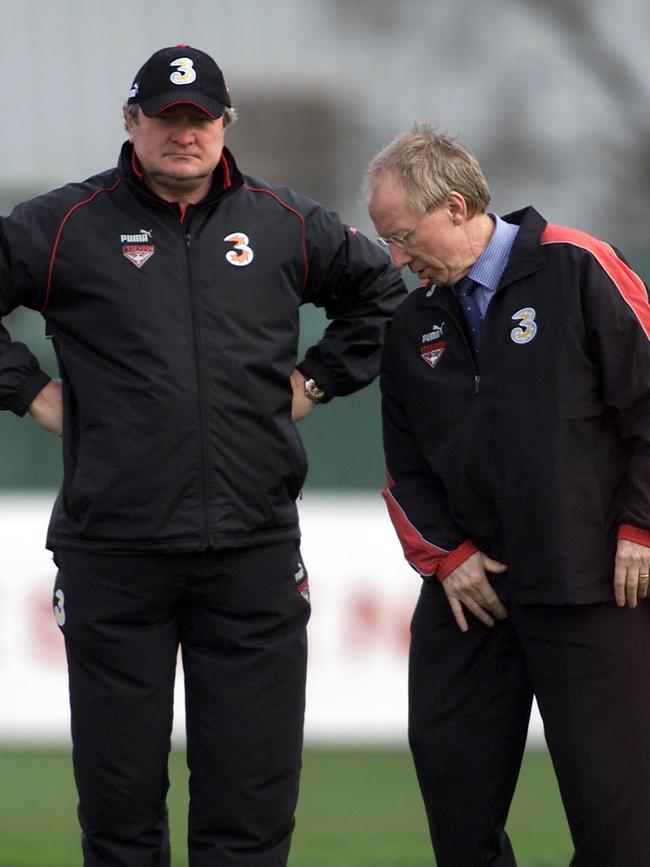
column 358, row 808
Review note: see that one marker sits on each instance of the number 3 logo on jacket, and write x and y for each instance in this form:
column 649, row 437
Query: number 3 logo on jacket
column 527, row 329
column 242, row 254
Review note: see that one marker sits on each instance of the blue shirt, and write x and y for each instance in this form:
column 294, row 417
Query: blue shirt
column 491, row 264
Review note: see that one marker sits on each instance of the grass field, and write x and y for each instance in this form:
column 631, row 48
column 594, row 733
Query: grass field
column 358, row 808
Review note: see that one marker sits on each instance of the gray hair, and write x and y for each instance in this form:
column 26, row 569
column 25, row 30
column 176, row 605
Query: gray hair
column 229, row 114
column 428, row 166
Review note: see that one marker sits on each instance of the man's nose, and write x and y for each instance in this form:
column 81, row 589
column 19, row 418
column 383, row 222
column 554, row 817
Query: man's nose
column 182, row 134
column 401, row 256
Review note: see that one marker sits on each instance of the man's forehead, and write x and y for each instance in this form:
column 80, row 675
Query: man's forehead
column 183, row 109
column 388, row 200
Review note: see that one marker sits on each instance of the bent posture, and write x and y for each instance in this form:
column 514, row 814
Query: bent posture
column 516, row 409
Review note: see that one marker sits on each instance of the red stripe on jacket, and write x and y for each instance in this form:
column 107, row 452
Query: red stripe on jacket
column 634, row 534
column 633, row 292
column 57, row 239
column 629, row 284
column 428, row 559
column 303, row 231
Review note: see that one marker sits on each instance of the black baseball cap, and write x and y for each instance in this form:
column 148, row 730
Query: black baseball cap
column 181, row 74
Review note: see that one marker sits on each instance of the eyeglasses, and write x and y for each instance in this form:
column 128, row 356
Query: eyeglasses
column 400, row 240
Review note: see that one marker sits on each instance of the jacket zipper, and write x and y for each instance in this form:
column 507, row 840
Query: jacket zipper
column 200, row 382
column 477, row 375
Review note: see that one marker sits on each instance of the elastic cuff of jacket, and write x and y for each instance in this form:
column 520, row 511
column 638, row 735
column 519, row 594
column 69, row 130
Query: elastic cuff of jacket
column 31, row 387
column 321, row 377
column 634, row 534
column 455, row 558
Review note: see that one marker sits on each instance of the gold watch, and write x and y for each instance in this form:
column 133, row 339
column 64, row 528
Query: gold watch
column 313, row 392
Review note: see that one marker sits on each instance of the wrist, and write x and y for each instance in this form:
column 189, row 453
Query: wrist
column 313, row 391
column 453, row 560
column 634, row 534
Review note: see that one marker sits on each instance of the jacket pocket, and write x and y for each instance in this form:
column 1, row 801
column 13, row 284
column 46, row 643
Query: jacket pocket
column 93, row 467
column 299, row 463
column 583, row 406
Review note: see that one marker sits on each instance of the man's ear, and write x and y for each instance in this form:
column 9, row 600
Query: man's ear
column 128, row 119
column 457, row 207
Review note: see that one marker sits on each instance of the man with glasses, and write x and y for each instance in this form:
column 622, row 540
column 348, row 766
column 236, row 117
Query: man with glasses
column 516, row 411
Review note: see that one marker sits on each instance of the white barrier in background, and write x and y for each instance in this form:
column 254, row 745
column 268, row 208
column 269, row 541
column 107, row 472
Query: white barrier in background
column 362, row 595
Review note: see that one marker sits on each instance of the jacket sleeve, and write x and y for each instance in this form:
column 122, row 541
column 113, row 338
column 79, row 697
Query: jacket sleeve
column 21, row 377
column 359, row 288
column 432, row 542
column 617, row 316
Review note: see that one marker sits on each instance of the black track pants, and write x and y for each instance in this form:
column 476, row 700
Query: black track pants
column 239, row 618
column 470, row 697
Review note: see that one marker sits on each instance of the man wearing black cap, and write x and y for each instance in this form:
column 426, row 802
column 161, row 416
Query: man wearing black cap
column 170, row 287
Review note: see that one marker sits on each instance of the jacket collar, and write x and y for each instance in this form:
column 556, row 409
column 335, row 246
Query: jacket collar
column 526, row 256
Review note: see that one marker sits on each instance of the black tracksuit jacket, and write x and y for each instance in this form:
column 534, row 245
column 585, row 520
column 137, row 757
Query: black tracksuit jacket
column 542, row 457
column 176, row 333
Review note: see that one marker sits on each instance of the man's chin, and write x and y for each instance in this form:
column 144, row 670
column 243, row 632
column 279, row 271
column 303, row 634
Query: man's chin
column 180, row 178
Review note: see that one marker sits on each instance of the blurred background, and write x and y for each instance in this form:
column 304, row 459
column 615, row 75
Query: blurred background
column 551, row 95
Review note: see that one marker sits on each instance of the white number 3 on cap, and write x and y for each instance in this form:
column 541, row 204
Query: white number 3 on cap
column 185, row 73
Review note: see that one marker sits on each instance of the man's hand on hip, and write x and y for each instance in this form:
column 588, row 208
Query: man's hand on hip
column 47, row 407
column 468, row 585
column 301, row 405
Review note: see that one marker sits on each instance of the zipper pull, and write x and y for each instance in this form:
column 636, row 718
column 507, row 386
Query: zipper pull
column 477, row 383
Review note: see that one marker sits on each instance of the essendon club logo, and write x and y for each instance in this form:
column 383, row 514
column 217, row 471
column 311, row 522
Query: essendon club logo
column 432, row 352
column 302, row 582
column 137, row 247
column 432, row 345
